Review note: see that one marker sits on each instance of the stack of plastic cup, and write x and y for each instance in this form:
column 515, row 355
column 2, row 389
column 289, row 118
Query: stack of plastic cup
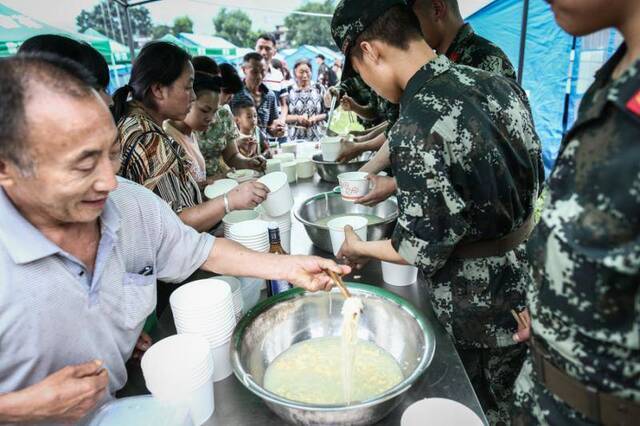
column 253, row 234
column 205, row 307
column 179, row 370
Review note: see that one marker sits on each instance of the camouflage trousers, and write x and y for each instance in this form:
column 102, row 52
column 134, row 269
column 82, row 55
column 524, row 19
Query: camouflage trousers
column 535, row 405
column 493, row 373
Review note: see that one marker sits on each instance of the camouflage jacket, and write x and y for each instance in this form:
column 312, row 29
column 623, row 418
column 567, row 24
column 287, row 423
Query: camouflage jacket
column 467, row 161
column 387, row 111
column 585, row 253
column 470, row 49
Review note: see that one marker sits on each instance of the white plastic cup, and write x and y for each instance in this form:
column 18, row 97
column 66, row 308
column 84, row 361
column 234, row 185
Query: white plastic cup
column 336, row 230
column 219, row 188
column 305, row 168
column 273, row 165
column 250, row 292
column 285, row 157
column 291, row 169
column 399, row 275
column 289, row 147
column 353, row 185
column 280, row 198
column 440, row 412
column 330, row 147
column 201, row 403
column 222, row 361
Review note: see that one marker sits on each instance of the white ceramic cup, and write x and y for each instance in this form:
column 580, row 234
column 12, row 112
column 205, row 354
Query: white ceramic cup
column 330, row 147
column 291, row 169
column 399, row 275
column 273, row 165
column 280, row 199
column 336, row 230
column 353, row 185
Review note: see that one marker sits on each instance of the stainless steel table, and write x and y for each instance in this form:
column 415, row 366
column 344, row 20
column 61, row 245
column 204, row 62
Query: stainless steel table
column 236, row 406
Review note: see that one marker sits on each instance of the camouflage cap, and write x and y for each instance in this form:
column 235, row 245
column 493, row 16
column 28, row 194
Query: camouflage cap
column 350, row 19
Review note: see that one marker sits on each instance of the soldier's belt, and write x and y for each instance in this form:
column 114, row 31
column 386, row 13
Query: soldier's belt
column 596, row 406
column 499, row 247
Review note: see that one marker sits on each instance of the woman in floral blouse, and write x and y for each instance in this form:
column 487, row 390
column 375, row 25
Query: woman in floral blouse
column 307, row 113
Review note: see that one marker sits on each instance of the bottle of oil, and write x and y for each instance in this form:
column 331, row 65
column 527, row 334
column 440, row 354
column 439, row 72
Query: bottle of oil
column 275, row 287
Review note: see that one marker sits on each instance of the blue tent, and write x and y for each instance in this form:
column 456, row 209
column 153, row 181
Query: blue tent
column 550, row 63
column 310, row 52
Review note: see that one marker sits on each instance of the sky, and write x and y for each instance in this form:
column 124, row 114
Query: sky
column 264, row 14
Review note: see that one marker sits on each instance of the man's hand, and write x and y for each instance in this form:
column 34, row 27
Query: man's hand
column 350, row 249
column 347, row 103
column 308, row 272
column 65, row 396
column 383, row 187
column 348, row 150
column 524, row 330
column 258, row 163
column 277, row 128
column 247, row 195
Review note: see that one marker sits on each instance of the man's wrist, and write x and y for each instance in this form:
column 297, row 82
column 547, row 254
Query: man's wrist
column 17, row 407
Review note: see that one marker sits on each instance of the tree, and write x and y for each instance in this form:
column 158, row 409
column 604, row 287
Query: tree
column 108, row 18
column 182, row 24
column 235, row 26
column 160, row 31
column 314, row 30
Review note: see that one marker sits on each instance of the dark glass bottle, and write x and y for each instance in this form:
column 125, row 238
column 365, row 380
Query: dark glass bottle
column 275, row 287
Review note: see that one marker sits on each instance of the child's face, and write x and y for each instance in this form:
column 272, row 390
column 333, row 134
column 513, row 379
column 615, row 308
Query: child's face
column 247, row 120
column 581, row 17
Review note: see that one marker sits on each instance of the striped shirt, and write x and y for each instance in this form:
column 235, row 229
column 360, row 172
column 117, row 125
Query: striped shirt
column 153, row 159
column 55, row 312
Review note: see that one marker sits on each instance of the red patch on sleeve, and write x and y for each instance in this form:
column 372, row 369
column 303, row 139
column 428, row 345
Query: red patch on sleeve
column 454, row 57
column 634, row 103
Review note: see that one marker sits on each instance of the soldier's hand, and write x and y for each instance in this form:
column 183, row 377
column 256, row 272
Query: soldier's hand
column 348, row 150
column 347, row 103
column 68, row 394
column 383, row 187
column 523, row 333
column 350, row 251
column 333, row 91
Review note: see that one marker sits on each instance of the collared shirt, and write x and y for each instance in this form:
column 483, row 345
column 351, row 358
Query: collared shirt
column 274, row 80
column 222, row 132
column 53, row 313
column 470, row 49
column 156, row 161
column 585, row 252
column 467, row 161
column 268, row 108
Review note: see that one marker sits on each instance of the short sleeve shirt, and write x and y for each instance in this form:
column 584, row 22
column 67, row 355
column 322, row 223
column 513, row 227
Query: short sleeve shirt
column 54, row 312
column 268, row 107
column 222, row 132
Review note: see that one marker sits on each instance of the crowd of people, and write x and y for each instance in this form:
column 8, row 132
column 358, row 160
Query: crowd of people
column 102, row 198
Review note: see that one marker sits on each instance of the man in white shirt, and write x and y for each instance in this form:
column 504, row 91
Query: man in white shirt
column 274, row 80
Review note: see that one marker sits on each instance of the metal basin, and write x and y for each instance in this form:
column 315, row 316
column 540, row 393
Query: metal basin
column 331, row 203
column 295, row 316
column 329, row 170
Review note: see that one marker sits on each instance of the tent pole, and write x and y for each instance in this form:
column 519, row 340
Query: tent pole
column 127, row 21
column 523, row 40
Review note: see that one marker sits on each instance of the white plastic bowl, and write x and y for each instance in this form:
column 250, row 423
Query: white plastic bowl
column 353, row 185
column 219, row 188
column 399, row 275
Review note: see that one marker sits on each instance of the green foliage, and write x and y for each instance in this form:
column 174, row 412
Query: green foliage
column 314, row 30
column 160, row 31
column 235, row 26
column 108, row 18
column 182, row 24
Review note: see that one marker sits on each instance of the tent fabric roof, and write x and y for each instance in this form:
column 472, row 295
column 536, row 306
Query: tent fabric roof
column 209, row 45
column 15, row 28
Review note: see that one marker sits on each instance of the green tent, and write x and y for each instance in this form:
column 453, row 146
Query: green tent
column 170, row 38
column 15, row 28
column 208, row 45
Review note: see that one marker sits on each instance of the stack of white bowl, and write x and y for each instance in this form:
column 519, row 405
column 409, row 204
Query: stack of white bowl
column 284, row 225
column 179, row 370
column 253, row 234
column 237, row 216
column 236, row 294
column 205, row 307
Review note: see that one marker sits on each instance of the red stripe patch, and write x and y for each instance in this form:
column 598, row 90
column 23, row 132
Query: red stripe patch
column 634, row 103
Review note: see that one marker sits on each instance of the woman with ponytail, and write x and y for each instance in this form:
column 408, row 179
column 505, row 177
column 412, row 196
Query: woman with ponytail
column 161, row 88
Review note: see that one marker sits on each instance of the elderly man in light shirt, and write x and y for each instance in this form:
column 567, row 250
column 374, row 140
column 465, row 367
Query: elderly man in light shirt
column 80, row 250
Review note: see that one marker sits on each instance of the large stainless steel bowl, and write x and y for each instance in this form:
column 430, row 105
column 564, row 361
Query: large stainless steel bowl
column 329, row 170
column 274, row 325
column 331, row 203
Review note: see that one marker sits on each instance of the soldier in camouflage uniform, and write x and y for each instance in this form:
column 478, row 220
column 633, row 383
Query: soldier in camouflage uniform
column 585, row 253
column 468, row 164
